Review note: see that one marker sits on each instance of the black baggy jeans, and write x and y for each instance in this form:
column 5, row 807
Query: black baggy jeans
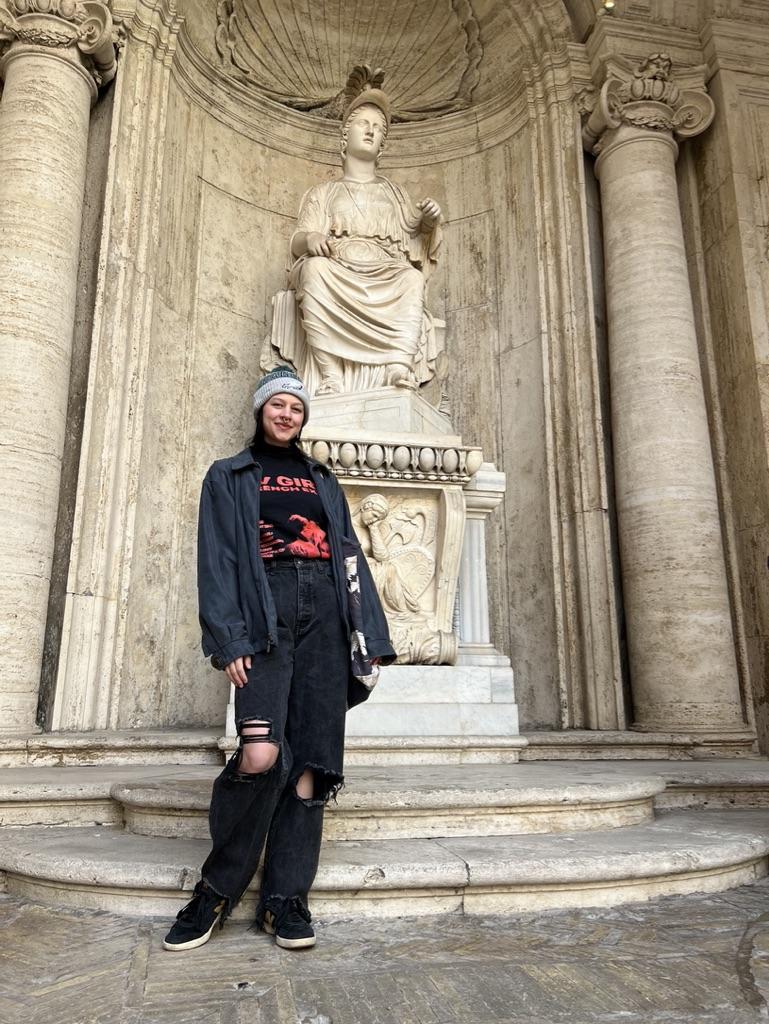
column 299, row 689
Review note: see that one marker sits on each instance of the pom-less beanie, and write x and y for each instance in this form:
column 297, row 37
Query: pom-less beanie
column 280, row 381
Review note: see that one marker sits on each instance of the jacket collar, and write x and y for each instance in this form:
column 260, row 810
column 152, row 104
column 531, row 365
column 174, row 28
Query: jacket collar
column 243, row 459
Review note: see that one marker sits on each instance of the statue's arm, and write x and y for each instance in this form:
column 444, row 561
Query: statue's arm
column 422, row 222
column 311, row 227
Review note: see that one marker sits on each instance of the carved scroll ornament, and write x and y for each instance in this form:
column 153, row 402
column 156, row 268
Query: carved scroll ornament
column 60, row 24
column 647, row 96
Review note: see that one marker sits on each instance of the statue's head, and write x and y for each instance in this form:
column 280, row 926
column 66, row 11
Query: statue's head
column 656, row 65
column 365, row 125
column 374, row 508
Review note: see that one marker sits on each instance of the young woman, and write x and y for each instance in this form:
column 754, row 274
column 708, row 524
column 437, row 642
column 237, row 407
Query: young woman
column 273, row 535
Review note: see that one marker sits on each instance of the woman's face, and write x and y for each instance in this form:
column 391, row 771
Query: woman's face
column 282, row 418
column 366, row 132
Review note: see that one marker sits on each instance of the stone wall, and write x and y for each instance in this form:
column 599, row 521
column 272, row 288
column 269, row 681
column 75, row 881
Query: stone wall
column 227, row 210
column 195, row 248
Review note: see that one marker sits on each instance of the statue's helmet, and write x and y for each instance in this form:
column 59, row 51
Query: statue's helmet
column 374, row 97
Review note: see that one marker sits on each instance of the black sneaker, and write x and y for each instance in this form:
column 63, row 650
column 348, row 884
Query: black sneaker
column 195, row 922
column 289, row 921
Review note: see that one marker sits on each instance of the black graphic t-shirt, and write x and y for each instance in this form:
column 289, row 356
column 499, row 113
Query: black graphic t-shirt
column 292, row 522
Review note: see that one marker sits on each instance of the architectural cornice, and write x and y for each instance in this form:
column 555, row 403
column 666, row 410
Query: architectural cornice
column 634, row 40
column 740, row 46
column 153, row 22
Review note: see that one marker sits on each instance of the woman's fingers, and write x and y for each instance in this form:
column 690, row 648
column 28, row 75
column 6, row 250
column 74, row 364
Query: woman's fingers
column 236, row 671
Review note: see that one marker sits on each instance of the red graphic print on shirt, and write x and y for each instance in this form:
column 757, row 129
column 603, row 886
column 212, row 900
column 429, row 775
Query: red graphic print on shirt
column 292, row 516
column 313, row 543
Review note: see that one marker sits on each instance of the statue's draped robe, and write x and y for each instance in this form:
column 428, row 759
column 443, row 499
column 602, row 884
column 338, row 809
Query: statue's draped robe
column 365, row 304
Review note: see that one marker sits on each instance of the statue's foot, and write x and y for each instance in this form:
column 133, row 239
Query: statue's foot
column 331, row 385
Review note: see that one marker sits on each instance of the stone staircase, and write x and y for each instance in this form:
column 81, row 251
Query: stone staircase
column 403, row 839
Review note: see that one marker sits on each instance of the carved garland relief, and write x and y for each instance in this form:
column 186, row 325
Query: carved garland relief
column 646, row 96
column 57, row 24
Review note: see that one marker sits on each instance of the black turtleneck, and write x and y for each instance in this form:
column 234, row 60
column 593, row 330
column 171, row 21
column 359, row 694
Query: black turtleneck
column 292, row 522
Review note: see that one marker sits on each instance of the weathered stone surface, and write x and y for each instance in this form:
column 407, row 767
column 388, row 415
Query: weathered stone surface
column 682, row 960
column 421, row 802
column 704, row 851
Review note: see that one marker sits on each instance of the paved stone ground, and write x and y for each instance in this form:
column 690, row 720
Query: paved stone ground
column 679, row 960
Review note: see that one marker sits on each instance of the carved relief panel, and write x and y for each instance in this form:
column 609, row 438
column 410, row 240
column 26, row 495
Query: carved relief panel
column 412, row 538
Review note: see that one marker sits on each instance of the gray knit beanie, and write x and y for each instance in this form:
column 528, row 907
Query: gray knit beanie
column 280, row 381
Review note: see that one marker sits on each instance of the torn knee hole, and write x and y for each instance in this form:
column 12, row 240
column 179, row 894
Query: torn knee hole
column 305, row 785
column 316, row 785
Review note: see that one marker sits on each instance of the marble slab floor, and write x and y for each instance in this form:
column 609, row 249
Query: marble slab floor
column 678, row 960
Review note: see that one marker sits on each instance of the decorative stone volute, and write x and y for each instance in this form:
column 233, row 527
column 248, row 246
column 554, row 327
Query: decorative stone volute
column 84, row 27
column 647, row 97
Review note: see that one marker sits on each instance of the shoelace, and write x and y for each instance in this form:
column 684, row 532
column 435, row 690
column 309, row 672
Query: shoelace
column 293, row 906
column 194, row 911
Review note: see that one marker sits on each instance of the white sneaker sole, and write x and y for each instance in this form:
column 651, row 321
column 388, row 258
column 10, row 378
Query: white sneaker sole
column 305, row 943
column 201, row 940
column 295, row 943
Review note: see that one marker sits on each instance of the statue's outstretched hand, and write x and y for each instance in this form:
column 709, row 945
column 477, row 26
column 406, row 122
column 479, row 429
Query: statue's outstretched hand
column 431, row 212
column 319, row 244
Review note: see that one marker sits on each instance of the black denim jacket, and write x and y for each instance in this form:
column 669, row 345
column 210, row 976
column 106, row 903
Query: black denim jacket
column 237, row 613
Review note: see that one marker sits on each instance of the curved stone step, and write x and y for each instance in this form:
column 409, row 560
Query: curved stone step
column 695, row 851
column 423, row 802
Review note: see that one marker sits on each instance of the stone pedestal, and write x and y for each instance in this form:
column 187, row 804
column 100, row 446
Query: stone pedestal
column 51, row 66
column 438, row 700
column 682, row 659
column 420, row 500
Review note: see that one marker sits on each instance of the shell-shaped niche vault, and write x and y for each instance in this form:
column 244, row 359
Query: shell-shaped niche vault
column 437, row 57
column 430, row 49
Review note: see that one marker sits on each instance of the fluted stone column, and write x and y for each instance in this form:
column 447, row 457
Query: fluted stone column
column 54, row 55
column 682, row 657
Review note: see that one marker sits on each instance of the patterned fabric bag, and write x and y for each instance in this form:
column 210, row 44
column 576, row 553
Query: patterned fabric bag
column 362, row 668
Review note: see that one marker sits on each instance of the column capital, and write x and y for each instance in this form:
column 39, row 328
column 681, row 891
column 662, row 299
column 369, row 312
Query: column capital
column 82, row 30
column 648, row 98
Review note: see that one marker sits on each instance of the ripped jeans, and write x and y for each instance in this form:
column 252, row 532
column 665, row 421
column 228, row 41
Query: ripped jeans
column 299, row 692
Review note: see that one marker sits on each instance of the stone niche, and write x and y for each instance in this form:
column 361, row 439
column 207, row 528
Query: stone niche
column 175, row 358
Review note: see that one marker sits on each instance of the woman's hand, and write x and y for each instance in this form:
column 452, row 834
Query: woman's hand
column 318, row 244
column 236, row 671
column 431, row 212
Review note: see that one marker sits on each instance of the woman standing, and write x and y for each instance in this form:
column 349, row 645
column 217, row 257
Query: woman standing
column 273, row 534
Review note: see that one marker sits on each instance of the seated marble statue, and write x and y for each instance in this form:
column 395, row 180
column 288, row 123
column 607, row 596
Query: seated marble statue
column 362, row 252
